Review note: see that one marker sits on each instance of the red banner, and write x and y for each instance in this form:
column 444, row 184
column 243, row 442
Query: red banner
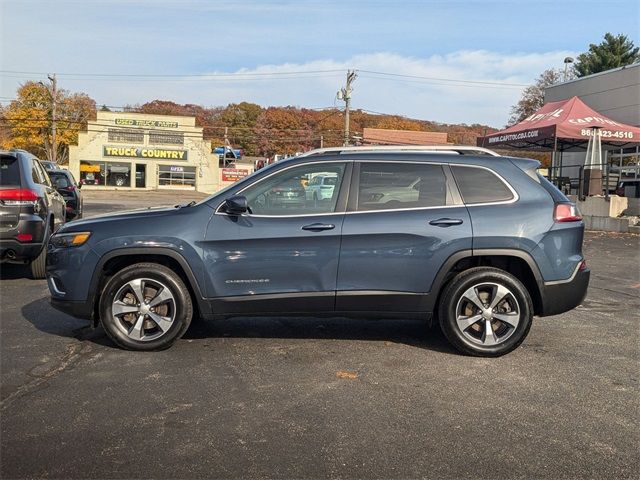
column 233, row 174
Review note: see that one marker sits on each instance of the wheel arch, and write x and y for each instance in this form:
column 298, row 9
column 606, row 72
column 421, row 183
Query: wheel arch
column 516, row 262
column 116, row 260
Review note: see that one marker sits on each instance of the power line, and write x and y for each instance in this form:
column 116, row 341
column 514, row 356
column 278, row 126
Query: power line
column 164, row 75
column 124, row 128
column 480, row 82
column 253, row 131
column 449, row 85
column 268, row 75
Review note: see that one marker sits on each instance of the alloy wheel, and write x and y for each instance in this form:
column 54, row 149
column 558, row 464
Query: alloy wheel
column 487, row 314
column 144, row 309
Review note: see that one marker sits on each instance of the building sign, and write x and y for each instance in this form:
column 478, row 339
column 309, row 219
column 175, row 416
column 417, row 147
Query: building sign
column 141, row 152
column 130, row 122
column 233, row 174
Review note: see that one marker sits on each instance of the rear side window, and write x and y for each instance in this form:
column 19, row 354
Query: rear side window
column 390, row 186
column 479, row 185
column 9, row 171
column 42, row 173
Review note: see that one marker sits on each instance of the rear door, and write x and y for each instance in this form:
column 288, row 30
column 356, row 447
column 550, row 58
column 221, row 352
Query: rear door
column 403, row 221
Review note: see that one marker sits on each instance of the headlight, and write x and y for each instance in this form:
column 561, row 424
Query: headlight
column 74, row 239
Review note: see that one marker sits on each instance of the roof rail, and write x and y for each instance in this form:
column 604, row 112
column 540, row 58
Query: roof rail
column 455, row 149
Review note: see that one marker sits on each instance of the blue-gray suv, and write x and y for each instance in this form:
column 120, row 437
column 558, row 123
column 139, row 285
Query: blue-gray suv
column 476, row 242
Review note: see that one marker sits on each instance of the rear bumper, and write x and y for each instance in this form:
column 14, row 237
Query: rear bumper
column 15, row 251
column 561, row 297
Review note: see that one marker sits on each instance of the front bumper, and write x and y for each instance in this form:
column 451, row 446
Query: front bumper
column 558, row 298
column 83, row 310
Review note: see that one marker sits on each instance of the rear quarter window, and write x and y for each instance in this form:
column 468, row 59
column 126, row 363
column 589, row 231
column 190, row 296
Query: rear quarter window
column 479, row 185
column 9, row 171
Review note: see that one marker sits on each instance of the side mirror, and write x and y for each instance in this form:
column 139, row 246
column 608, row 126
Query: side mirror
column 236, row 205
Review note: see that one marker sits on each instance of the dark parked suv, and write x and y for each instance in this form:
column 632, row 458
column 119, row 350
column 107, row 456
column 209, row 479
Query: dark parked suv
column 66, row 185
column 460, row 236
column 30, row 210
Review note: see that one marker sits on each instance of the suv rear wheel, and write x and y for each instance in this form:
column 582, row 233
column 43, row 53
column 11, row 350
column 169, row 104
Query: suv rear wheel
column 38, row 265
column 485, row 312
column 145, row 306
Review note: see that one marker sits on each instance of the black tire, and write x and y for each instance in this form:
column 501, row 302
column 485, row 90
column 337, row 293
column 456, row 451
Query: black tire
column 182, row 306
column 466, row 341
column 38, row 265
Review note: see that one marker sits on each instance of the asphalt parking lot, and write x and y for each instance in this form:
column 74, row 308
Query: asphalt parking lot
column 302, row 398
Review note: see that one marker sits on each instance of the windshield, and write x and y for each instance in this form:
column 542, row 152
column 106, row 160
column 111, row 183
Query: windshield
column 9, row 171
column 59, row 180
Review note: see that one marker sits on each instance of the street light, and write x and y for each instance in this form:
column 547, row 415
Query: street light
column 567, row 61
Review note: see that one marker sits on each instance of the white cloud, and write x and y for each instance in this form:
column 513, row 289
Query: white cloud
column 435, row 100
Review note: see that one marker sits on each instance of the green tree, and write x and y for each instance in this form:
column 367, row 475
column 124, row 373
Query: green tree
column 613, row 52
column 29, row 120
column 240, row 119
column 533, row 96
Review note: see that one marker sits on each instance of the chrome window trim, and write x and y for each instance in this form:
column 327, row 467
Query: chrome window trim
column 515, row 198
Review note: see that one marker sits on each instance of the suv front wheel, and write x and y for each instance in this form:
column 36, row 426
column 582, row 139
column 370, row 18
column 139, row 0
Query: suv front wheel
column 485, row 312
column 145, row 306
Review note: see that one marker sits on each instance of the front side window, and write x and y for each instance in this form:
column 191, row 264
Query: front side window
column 390, row 186
column 479, row 185
column 295, row 191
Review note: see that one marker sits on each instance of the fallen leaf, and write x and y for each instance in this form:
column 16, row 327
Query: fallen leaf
column 344, row 374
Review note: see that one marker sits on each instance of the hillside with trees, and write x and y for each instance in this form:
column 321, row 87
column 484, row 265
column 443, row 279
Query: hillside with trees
column 260, row 131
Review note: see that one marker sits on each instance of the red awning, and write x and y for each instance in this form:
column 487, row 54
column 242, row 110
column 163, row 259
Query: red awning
column 570, row 122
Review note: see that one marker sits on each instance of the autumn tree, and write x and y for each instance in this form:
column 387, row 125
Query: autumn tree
column 240, row 119
column 280, row 130
column 29, row 120
column 613, row 52
column 533, row 96
column 205, row 117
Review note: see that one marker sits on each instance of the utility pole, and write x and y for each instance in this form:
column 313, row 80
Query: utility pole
column 224, row 147
column 345, row 94
column 54, row 96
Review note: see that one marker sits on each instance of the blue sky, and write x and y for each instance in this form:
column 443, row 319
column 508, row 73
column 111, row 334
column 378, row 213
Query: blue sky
column 494, row 41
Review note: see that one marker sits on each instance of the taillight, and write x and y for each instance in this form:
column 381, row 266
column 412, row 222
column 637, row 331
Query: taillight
column 24, row 237
column 18, row 196
column 566, row 212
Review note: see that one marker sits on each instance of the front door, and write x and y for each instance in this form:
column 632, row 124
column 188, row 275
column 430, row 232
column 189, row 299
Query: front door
column 404, row 221
column 283, row 254
column 141, row 174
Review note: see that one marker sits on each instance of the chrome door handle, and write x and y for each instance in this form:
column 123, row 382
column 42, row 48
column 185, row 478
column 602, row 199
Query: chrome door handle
column 446, row 222
column 318, row 227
